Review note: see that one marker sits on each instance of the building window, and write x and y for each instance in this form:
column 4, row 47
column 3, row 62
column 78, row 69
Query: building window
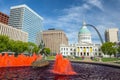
column 74, row 53
column 95, row 53
column 87, row 54
column 84, row 53
column 99, row 49
column 66, row 49
column 99, row 54
column 95, row 49
column 81, row 53
column 67, row 53
column 74, row 49
column 71, row 49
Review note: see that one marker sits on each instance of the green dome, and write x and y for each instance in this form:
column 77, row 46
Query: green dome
column 84, row 29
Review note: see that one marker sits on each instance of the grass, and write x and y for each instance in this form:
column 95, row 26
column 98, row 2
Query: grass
column 110, row 59
column 51, row 57
column 78, row 58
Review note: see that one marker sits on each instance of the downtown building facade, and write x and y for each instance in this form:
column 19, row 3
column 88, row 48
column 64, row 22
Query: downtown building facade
column 13, row 33
column 24, row 18
column 53, row 38
column 84, row 46
column 4, row 18
column 111, row 35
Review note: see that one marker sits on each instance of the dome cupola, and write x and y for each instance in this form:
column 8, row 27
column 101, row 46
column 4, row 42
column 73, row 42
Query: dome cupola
column 84, row 34
column 84, row 29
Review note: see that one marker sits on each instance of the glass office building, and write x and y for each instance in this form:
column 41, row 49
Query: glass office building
column 24, row 18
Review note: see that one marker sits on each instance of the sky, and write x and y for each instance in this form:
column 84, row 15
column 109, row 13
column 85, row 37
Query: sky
column 68, row 15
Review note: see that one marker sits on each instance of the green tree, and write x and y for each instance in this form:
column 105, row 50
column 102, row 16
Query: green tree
column 47, row 50
column 3, row 42
column 109, row 48
column 17, row 46
column 32, row 47
column 118, row 50
column 7, row 44
column 11, row 45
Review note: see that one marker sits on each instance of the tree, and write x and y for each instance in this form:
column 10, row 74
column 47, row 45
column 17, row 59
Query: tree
column 7, row 44
column 3, row 42
column 47, row 50
column 109, row 48
column 118, row 49
column 32, row 47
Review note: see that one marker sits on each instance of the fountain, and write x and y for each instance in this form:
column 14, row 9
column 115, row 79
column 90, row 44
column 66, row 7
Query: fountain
column 19, row 68
column 21, row 60
column 62, row 66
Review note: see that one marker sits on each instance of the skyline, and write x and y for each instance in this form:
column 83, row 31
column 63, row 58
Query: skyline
column 69, row 15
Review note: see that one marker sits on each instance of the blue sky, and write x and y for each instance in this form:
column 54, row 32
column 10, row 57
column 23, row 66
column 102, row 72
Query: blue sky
column 68, row 15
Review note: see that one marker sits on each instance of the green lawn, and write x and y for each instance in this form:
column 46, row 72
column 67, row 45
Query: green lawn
column 110, row 59
column 51, row 57
column 78, row 58
column 95, row 59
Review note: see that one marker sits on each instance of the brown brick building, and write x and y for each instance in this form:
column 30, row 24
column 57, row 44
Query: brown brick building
column 4, row 18
column 53, row 38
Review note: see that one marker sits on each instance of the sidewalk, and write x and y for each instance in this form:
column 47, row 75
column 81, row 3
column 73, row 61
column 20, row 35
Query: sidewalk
column 87, row 60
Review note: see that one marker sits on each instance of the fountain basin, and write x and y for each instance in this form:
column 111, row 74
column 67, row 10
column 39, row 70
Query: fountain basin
column 85, row 71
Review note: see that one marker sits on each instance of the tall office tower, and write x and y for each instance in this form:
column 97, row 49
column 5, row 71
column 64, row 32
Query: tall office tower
column 4, row 18
column 111, row 35
column 24, row 18
column 53, row 38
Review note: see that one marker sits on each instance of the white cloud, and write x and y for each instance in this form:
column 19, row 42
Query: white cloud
column 71, row 21
column 97, row 3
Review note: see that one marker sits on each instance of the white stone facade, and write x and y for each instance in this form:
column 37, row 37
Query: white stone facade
column 13, row 33
column 86, row 50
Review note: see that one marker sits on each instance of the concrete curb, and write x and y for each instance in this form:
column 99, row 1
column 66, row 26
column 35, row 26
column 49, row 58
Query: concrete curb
column 96, row 63
column 100, row 63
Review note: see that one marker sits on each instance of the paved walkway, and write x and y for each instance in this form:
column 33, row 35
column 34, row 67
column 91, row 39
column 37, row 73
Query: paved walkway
column 87, row 60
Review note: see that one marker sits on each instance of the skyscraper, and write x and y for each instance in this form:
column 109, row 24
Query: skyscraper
column 24, row 18
column 111, row 35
